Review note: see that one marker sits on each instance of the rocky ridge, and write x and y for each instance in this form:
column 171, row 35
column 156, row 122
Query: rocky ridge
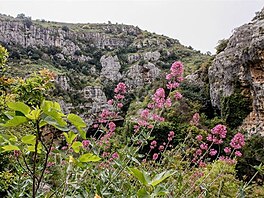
column 92, row 58
column 239, row 68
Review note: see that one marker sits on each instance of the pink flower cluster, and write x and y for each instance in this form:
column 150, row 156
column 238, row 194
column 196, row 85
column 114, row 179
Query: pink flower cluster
column 228, row 160
column 171, row 135
column 217, row 134
column 238, row 141
column 85, row 143
column 155, row 156
column 120, row 88
column 153, row 144
column 159, row 98
column 176, row 72
column 195, row 119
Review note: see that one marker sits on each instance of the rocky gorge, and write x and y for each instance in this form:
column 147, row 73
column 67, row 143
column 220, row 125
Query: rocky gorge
column 90, row 59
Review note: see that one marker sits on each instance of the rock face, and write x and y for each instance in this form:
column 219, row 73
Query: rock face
column 110, row 68
column 240, row 67
column 90, row 59
column 139, row 75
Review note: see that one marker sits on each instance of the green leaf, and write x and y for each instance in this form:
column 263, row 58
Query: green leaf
column 89, row 157
column 19, row 106
column 10, row 148
column 51, row 121
column 76, row 146
column 29, row 139
column 15, row 121
column 34, row 114
column 57, row 106
column 32, row 148
column 140, row 175
column 142, row 193
column 70, row 137
column 161, row 177
column 76, row 120
column 82, row 133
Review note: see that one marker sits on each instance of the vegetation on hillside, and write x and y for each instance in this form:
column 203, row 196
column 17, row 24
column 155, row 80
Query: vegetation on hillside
column 164, row 148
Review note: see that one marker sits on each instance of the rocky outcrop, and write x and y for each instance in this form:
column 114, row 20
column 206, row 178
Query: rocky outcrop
column 90, row 59
column 24, row 32
column 110, row 68
column 240, row 68
column 139, row 75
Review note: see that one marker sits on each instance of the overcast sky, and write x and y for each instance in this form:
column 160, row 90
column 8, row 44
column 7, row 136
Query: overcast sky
column 198, row 23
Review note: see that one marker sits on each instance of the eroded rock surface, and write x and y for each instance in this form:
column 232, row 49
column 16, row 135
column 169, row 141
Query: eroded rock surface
column 240, row 67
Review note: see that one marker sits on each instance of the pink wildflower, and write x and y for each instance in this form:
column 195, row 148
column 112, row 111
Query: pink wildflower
column 238, row 141
column 219, row 130
column 120, row 88
column 112, row 126
column 64, row 148
column 145, row 114
column 227, row 150
column 119, row 105
column 115, row 155
column 213, row 152
column 49, row 164
column 170, row 135
column 204, row 146
column 85, row 143
column 195, row 119
column 155, row 156
column 153, row 144
column 177, row 69
column 198, row 152
column 177, row 96
column 119, row 96
column 161, row 148
column 238, row 154
column 110, row 102
column 169, row 76
column 199, row 138
column 202, row 164
column 168, row 103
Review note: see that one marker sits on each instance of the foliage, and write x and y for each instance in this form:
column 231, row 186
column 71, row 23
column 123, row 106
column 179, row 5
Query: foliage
column 222, row 44
column 164, row 153
column 235, row 109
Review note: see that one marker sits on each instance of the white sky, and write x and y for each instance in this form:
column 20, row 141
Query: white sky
column 198, row 23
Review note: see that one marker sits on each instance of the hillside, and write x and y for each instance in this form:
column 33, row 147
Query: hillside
column 91, row 58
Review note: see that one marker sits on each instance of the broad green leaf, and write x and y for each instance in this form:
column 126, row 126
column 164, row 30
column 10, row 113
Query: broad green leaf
column 76, row 146
column 34, row 114
column 42, row 123
column 57, row 106
column 15, row 121
column 10, row 148
column 76, row 120
column 70, row 137
column 140, row 175
column 46, row 106
column 142, row 193
column 89, row 157
column 19, row 106
column 32, row 148
column 13, row 138
column 161, row 177
column 29, row 139
column 82, row 133
column 51, row 121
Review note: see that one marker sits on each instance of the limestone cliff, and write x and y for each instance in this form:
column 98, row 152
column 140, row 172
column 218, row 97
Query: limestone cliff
column 90, row 59
column 239, row 69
